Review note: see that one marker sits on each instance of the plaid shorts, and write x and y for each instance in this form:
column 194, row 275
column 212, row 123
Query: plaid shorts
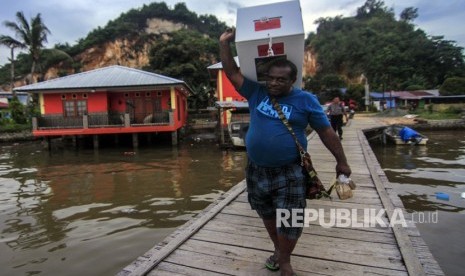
column 272, row 188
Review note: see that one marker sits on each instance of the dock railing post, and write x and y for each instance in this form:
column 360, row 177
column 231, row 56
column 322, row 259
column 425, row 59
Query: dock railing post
column 34, row 123
column 171, row 118
column 127, row 120
column 85, row 121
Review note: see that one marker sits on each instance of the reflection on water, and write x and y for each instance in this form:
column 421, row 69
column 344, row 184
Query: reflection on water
column 91, row 213
column 418, row 173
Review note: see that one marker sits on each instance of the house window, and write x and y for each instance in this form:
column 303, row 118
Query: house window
column 137, row 94
column 147, row 94
column 74, row 96
column 75, row 108
column 63, row 96
column 84, row 96
column 126, row 95
column 159, row 94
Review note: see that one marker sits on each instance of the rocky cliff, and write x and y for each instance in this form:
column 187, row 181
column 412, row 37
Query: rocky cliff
column 310, row 63
column 134, row 52
column 131, row 52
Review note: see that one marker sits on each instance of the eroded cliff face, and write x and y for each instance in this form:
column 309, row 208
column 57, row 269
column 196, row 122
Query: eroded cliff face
column 125, row 52
column 161, row 26
column 310, row 63
column 130, row 52
column 134, row 52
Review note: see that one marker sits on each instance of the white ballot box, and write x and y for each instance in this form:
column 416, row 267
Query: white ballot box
column 278, row 25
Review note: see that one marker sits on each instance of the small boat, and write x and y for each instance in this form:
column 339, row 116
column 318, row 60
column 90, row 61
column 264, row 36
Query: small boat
column 403, row 135
column 237, row 131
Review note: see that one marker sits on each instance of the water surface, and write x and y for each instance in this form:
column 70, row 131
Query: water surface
column 419, row 172
column 85, row 212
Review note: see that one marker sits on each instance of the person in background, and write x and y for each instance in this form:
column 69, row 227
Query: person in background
column 352, row 107
column 274, row 175
column 336, row 111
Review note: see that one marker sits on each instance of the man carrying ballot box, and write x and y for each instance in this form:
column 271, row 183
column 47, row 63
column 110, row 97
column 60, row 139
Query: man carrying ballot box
column 274, row 175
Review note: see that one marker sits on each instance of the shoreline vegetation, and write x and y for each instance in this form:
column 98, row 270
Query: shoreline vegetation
column 13, row 132
column 388, row 119
column 17, row 136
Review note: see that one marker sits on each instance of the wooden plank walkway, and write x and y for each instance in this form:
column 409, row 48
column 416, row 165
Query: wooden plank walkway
column 228, row 238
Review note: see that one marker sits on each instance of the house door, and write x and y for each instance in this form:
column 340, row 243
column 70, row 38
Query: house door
column 139, row 110
column 130, row 109
column 152, row 110
column 157, row 104
column 143, row 110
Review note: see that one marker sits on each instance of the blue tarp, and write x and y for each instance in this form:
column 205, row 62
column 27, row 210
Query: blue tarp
column 408, row 134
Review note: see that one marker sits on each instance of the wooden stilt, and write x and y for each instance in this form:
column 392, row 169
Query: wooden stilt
column 74, row 141
column 149, row 138
column 135, row 140
column 49, row 144
column 174, row 138
column 96, row 144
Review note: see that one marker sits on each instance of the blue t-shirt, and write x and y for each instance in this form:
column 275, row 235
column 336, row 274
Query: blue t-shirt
column 269, row 142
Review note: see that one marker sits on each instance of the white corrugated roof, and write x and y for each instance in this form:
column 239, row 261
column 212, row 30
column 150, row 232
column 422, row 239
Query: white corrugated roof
column 220, row 66
column 107, row 77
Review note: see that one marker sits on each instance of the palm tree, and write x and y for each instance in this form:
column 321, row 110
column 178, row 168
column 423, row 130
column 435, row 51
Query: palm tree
column 12, row 44
column 31, row 36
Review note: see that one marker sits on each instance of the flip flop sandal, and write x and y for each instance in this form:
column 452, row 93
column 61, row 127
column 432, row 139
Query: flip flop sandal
column 272, row 264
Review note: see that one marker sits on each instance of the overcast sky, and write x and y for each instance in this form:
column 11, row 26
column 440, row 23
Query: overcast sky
column 71, row 20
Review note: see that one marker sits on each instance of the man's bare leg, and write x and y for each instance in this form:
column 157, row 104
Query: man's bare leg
column 270, row 225
column 286, row 246
column 283, row 247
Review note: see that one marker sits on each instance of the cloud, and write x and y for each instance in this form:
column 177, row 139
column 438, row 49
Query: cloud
column 71, row 20
column 232, row 7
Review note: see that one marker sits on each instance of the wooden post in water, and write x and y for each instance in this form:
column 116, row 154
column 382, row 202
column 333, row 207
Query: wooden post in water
column 135, row 140
column 116, row 136
column 174, row 138
column 220, row 117
column 74, row 141
column 96, row 144
column 149, row 138
column 174, row 134
column 49, row 143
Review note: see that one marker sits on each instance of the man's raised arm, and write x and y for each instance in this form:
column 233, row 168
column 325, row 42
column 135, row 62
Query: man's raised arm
column 229, row 65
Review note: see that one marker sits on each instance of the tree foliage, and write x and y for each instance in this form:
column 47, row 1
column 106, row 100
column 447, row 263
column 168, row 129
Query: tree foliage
column 134, row 22
column 185, row 56
column 392, row 53
column 30, row 35
column 453, row 86
column 18, row 112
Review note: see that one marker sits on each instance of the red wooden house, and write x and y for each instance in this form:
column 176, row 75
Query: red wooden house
column 110, row 100
column 228, row 98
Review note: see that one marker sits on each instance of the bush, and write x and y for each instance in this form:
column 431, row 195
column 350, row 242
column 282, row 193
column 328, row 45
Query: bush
column 453, row 86
column 18, row 112
column 414, row 87
column 453, row 110
column 372, row 108
column 11, row 127
column 430, row 108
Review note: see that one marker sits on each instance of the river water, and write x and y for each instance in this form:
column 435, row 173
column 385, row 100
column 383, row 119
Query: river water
column 80, row 212
column 85, row 212
column 418, row 173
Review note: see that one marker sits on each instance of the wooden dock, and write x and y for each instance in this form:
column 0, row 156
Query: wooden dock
column 228, row 238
